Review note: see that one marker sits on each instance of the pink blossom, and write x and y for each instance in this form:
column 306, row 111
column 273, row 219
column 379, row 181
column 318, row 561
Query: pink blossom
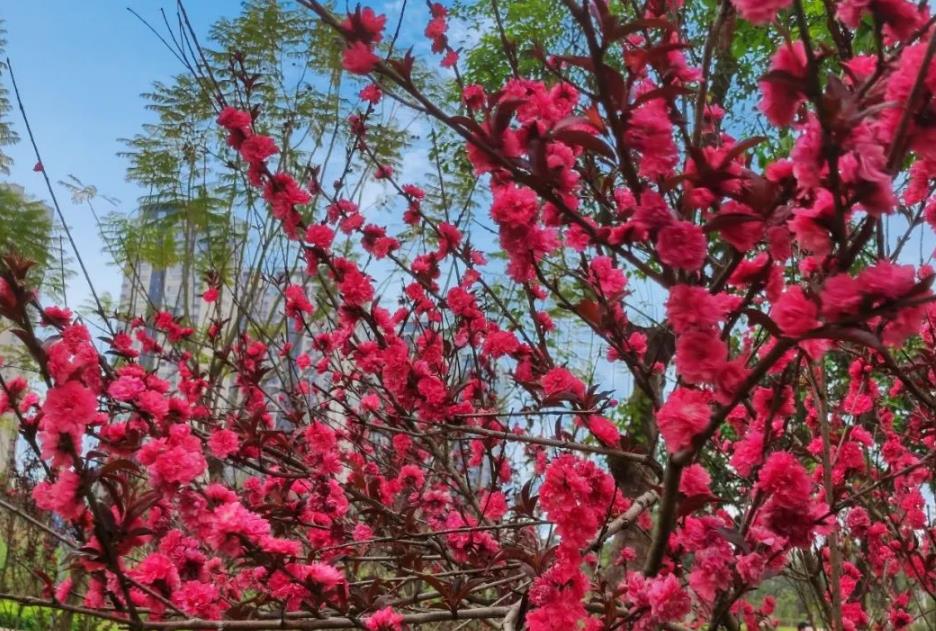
column 692, row 307
column 371, row 93
column 232, row 524
column 795, row 313
column 609, row 279
column 684, row 415
column 760, row 12
column 177, row 458
column 576, row 495
column 355, row 287
column 223, row 443
column 900, row 16
column 747, row 229
column 558, row 594
column 604, row 430
column 232, row 118
column 781, row 97
column 385, row 619
column 682, row 245
column 67, row 411
column 748, row 452
column 700, row 356
column 841, row 297
column 364, row 24
column 651, row 133
column 210, row 295
column 359, row 58
column 663, row 596
column 8, row 300
column 668, row 600
column 887, row 280
column 297, row 303
column 785, row 480
column 560, row 382
column 500, row 343
column 201, row 599
column 695, row 481
column 514, row 206
column 320, row 235
column 69, row 405
column 238, row 124
column 157, row 570
column 61, row 496
column 258, row 148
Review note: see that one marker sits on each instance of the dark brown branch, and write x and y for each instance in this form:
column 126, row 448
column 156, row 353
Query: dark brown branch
column 477, row 613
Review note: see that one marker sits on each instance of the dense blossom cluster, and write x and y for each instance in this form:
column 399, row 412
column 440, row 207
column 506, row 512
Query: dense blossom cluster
column 780, row 424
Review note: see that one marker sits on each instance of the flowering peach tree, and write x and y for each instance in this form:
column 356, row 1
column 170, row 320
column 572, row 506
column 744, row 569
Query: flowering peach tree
column 429, row 457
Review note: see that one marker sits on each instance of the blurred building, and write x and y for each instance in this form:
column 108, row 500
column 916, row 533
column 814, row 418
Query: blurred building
column 147, row 288
column 248, row 301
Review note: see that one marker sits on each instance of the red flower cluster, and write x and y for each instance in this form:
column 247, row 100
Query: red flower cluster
column 363, row 30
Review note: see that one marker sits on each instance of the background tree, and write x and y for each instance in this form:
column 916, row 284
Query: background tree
column 7, row 135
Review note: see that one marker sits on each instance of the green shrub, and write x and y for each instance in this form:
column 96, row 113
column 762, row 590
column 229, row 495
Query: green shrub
column 28, row 618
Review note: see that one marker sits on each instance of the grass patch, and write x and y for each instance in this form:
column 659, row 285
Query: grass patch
column 13, row 615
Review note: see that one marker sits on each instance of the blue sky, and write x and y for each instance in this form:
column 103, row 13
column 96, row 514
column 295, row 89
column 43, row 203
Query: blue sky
column 81, row 67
